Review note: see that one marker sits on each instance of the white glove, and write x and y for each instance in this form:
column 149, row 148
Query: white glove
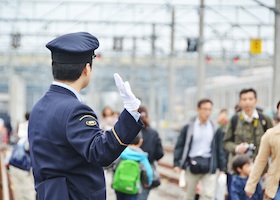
column 130, row 102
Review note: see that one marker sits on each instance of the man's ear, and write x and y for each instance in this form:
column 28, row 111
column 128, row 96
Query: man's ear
column 87, row 69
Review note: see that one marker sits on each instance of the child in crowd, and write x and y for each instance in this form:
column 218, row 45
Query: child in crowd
column 242, row 167
column 133, row 171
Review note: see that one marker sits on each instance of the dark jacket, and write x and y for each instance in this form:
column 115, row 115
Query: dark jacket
column 152, row 144
column 68, row 149
column 238, row 193
column 244, row 132
column 182, row 148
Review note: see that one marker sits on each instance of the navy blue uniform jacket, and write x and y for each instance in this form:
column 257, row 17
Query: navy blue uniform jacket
column 68, row 149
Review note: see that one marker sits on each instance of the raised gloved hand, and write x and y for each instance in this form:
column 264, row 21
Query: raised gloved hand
column 130, row 102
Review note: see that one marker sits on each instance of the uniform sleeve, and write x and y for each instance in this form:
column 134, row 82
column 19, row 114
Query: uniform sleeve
column 179, row 147
column 96, row 146
column 228, row 144
column 259, row 165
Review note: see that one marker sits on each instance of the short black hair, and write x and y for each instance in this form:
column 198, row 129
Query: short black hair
column 203, row 101
column 239, row 161
column 67, row 72
column 137, row 138
column 246, row 90
column 27, row 114
column 278, row 104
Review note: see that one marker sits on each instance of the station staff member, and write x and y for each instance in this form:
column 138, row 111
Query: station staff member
column 68, row 149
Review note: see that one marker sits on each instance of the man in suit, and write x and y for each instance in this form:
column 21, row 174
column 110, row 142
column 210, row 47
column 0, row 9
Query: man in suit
column 68, row 149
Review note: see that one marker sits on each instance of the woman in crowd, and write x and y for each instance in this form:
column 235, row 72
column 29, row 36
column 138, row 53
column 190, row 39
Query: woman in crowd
column 151, row 144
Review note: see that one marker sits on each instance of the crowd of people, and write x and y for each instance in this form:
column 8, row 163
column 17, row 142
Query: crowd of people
column 69, row 147
column 206, row 149
column 238, row 148
column 233, row 147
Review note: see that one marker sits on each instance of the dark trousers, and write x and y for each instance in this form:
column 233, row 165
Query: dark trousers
column 123, row 196
column 229, row 181
column 144, row 194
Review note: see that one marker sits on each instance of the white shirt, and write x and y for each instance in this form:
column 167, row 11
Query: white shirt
column 255, row 115
column 202, row 139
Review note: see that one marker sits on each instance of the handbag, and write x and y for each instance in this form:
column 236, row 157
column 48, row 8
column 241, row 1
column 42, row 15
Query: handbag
column 20, row 158
column 156, row 176
column 199, row 165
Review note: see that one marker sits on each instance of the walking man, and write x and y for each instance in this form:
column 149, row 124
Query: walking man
column 199, row 151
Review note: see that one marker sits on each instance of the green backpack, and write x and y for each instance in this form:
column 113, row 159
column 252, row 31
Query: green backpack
column 127, row 177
